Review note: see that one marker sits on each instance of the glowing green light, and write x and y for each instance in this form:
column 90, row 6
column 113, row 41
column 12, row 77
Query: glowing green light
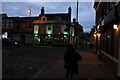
column 65, row 36
column 108, row 36
column 49, row 36
column 65, row 32
column 72, row 34
column 36, row 38
column 36, row 32
column 49, row 32
column 36, row 35
column 75, row 40
column 36, row 29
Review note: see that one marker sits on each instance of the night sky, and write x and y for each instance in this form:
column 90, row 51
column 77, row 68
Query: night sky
column 86, row 10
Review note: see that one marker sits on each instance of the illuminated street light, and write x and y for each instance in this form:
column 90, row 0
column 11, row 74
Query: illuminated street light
column 29, row 10
column 94, row 35
column 115, row 26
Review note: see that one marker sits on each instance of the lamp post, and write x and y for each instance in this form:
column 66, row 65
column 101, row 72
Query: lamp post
column 29, row 10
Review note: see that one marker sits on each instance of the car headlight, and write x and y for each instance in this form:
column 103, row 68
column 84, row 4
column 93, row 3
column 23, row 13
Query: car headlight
column 16, row 43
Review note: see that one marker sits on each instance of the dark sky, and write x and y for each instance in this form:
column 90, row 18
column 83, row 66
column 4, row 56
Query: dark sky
column 86, row 10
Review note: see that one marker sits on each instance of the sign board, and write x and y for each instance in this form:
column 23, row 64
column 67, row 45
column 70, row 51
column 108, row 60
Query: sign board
column 36, row 29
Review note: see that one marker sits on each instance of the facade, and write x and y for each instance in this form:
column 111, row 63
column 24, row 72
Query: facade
column 76, row 39
column 6, row 26
column 45, row 29
column 23, row 29
column 50, row 28
column 18, row 28
column 107, row 34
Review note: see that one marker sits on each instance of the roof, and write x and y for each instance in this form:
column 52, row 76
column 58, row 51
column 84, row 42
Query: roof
column 21, row 18
column 3, row 15
column 63, row 16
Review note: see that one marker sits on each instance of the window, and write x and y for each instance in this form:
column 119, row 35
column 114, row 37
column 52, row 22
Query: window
column 56, row 29
column 57, row 18
column 30, row 26
column 5, row 25
column 9, row 22
column 43, row 18
column 9, row 25
column 4, row 22
column 17, row 27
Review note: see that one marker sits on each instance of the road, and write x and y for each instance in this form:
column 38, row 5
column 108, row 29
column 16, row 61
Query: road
column 27, row 62
column 43, row 63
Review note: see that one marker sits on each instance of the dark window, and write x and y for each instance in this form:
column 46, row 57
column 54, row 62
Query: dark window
column 112, row 42
column 56, row 29
column 5, row 25
column 9, row 25
column 58, row 18
column 17, row 27
column 4, row 22
column 30, row 26
column 9, row 22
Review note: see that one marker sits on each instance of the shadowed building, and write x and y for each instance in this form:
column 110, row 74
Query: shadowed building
column 7, row 24
column 45, row 29
column 107, row 34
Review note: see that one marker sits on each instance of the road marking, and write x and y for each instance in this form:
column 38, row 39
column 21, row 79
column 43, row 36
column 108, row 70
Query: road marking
column 38, row 73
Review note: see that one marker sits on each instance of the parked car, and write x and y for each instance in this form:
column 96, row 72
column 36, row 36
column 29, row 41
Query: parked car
column 10, row 42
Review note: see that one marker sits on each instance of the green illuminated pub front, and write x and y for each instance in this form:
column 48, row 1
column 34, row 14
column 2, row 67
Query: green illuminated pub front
column 50, row 34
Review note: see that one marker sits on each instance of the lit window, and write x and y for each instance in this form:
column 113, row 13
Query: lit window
column 43, row 18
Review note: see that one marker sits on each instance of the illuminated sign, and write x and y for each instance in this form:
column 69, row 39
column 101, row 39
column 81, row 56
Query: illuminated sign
column 36, row 29
column 49, row 30
column 65, row 32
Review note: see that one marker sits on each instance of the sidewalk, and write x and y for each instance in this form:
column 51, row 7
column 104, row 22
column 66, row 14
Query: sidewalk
column 90, row 68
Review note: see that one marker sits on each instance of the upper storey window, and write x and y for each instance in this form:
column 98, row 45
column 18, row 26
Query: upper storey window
column 58, row 18
column 43, row 18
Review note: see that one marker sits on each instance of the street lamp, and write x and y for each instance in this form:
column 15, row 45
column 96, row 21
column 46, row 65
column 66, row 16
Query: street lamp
column 29, row 10
column 115, row 26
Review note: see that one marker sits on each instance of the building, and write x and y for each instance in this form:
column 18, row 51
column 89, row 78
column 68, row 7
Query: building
column 50, row 28
column 6, row 26
column 76, row 38
column 45, row 29
column 107, row 34
column 23, row 29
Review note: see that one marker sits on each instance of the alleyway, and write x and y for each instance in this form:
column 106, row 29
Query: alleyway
column 90, row 68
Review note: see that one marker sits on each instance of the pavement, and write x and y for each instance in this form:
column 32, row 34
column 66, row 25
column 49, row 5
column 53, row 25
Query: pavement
column 90, row 68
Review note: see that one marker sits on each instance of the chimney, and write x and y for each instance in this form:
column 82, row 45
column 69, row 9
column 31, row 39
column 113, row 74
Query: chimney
column 69, row 12
column 42, row 10
column 74, row 20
